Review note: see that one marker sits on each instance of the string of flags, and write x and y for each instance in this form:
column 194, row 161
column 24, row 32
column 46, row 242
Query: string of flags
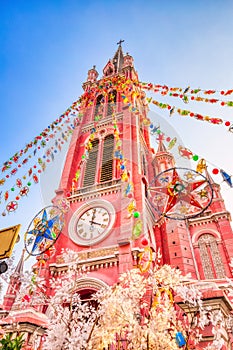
column 185, row 113
column 181, row 92
column 130, row 90
column 188, row 154
column 41, row 139
column 49, row 143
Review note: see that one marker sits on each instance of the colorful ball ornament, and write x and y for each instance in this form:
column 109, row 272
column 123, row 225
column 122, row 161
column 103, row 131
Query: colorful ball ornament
column 195, row 157
column 144, row 241
column 215, row 171
column 136, row 214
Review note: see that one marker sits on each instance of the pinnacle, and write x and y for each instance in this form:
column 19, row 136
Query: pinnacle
column 161, row 147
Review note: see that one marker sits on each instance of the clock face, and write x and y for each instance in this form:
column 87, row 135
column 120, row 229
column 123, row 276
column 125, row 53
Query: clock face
column 92, row 222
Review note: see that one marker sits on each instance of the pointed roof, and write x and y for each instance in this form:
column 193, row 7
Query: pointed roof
column 209, row 177
column 161, row 147
column 118, row 58
column 19, row 268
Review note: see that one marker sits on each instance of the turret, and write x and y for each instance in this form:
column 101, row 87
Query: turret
column 14, row 285
column 163, row 159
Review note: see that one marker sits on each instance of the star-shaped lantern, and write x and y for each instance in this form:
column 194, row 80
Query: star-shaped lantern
column 43, row 230
column 186, row 194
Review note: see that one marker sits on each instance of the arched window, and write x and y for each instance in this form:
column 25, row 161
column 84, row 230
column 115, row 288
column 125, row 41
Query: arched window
column 107, row 159
column 112, row 98
column 99, row 107
column 90, row 171
column 210, row 257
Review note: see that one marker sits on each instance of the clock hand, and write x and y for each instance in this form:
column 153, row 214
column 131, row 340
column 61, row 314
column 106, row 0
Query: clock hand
column 93, row 215
column 96, row 223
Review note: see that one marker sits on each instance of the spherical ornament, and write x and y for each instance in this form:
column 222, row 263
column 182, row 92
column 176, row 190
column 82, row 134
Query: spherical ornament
column 122, row 167
column 222, row 92
column 136, row 214
column 222, row 103
column 192, row 98
column 7, row 176
column 130, row 195
column 168, row 139
column 215, row 171
column 227, row 123
column 195, row 157
column 191, row 114
column 168, row 107
column 3, row 213
column 29, row 183
column 34, row 166
column 17, row 198
column 144, row 241
column 83, row 156
column 12, row 189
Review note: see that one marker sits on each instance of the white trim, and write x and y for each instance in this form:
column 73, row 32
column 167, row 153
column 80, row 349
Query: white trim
column 204, row 231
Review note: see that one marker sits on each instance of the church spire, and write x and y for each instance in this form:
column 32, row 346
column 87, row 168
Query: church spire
column 161, row 147
column 14, row 285
column 118, row 58
column 163, row 159
column 19, row 268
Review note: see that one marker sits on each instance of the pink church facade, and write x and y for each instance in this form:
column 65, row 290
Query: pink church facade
column 110, row 164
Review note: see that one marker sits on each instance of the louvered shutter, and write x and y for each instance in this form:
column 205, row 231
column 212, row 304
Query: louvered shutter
column 90, row 172
column 107, row 160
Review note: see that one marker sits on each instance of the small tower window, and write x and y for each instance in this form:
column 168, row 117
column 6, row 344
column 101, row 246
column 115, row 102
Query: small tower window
column 112, row 98
column 90, row 171
column 99, row 107
column 107, row 159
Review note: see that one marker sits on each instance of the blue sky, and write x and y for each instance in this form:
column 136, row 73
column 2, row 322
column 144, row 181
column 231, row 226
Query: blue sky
column 48, row 46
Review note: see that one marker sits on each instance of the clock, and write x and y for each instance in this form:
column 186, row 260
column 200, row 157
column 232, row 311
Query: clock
column 92, row 222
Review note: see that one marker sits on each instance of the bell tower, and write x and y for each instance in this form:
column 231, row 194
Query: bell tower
column 106, row 180
column 106, row 175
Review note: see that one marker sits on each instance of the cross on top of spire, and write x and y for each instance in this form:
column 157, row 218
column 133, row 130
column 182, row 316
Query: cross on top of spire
column 120, row 42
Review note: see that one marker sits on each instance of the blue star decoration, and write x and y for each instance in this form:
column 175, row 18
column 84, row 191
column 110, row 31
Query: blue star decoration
column 43, row 231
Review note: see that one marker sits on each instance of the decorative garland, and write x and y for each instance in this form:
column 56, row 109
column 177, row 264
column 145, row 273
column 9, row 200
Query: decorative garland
column 181, row 92
column 23, row 183
column 188, row 154
column 128, row 93
column 197, row 116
